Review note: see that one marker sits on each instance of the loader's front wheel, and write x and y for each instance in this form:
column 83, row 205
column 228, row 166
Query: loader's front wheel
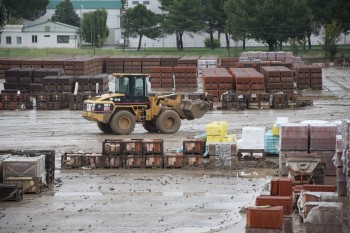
column 168, row 122
column 123, row 122
column 150, row 126
column 104, row 127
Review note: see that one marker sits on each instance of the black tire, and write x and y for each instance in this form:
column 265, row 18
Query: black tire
column 150, row 126
column 123, row 122
column 168, row 122
column 104, row 127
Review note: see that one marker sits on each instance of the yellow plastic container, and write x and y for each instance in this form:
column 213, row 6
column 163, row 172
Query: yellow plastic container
column 229, row 138
column 275, row 130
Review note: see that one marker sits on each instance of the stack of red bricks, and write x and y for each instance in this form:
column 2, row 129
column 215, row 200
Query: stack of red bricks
column 193, row 150
column 148, row 62
column 217, row 81
column 161, row 77
column 228, row 62
column 308, row 76
column 14, row 101
column 169, row 61
column 115, row 64
column 185, row 76
column 247, row 80
column 272, row 212
column 133, row 64
column 278, row 79
column 8, row 63
column 188, row 61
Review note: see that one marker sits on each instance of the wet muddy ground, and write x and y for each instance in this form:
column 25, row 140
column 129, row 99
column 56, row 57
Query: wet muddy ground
column 154, row 200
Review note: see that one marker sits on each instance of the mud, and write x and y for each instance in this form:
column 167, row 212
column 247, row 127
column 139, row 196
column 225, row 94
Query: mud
column 182, row 200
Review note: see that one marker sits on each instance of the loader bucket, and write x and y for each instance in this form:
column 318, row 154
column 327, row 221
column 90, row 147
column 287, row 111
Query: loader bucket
column 194, row 108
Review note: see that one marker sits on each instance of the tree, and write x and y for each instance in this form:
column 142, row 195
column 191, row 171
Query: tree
column 2, row 16
column 271, row 21
column 330, row 35
column 184, row 16
column 140, row 22
column 94, row 27
column 65, row 13
column 26, row 9
column 213, row 15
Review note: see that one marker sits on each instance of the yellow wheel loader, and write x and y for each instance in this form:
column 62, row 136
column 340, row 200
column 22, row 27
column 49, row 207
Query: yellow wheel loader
column 130, row 104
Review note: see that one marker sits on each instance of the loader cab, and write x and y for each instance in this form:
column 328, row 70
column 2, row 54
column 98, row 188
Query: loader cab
column 134, row 86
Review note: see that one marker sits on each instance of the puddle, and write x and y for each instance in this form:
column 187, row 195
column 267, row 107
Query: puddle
column 75, row 194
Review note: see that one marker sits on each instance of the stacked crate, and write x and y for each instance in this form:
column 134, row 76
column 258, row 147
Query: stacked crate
column 153, row 150
column 315, row 77
column 115, row 64
column 193, row 150
column 148, row 62
column 233, row 101
column 57, row 62
column 57, row 84
column 36, row 87
column 278, row 79
column 133, row 153
column 133, row 64
column 185, row 77
column 76, row 102
column 173, row 159
column 302, row 74
column 112, row 151
column 13, row 101
column 161, row 77
column 91, row 83
column 18, row 79
column 51, row 101
column 247, row 80
column 217, row 81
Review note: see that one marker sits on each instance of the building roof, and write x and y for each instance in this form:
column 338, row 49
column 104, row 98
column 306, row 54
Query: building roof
column 88, row 4
column 51, row 22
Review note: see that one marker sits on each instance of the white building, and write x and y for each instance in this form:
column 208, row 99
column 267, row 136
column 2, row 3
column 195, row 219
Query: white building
column 43, row 35
column 112, row 7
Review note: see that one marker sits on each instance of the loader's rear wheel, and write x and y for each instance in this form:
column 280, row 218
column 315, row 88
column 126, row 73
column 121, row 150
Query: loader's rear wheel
column 123, row 122
column 104, row 127
column 150, row 126
column 168, row 122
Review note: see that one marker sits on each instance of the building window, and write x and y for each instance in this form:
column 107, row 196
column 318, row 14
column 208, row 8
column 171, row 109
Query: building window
column 46, row 35
column 34, row 39
column 135, row 2
column 19, row 40
column 62, row 39
column 8, row 39
column 47, row 28
column 145, row 2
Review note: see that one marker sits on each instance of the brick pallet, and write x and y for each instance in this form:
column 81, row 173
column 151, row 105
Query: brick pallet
column 188, row 61
column 14, row 101
column 232, row 101
column 308, row 76
column 193, row 150
column 185, row 77
column 148, row 62
column 217, row 81
column 161, row 77
column 115, row 64
column 247, row 80
column 278, row 79
column 228, row 62
column 133, row 64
